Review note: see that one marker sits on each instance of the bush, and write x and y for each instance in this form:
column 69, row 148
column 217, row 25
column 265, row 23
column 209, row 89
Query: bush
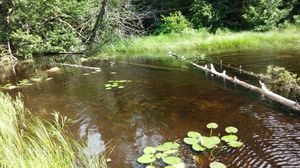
column 263, row 15
column 204, row 15
column 175, row 23
column 280, row 79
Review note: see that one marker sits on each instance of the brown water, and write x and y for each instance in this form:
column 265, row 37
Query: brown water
column 163, row 105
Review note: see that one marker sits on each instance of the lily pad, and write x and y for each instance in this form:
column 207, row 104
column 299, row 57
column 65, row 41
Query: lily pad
column 107, row 85
column 235, row 144
column 113, row 73
column 217, row 165
column 172, row 145
column 149, row 150
column 170, row 152
column 211, row 142
column 121, row 87
column 198, row 148
column 172, row 160
column 169, row 167
column 108, row 88
column 162, row 148
column 212, row 126
column 191, row 141
column 160, row 155
column 229, row 138
column 147, row 158
column 231, row 130
column 193, row 134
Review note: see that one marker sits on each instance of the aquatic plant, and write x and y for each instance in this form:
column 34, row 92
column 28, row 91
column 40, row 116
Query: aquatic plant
column 167, row 153
column 116, row 84
column 197, row 142
column 25, row 82
column 28, row 141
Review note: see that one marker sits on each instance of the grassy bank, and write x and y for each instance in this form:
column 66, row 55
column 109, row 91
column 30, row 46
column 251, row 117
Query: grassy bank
column 288, row 38
column 27, row 141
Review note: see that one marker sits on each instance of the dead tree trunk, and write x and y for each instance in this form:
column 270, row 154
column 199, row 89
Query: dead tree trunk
column 263, row 90
column 98, row 22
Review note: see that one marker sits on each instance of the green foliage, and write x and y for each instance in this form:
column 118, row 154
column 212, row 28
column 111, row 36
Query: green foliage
column 27, row 141
column 175, row 23
column 280, row 79
column 262, row 15
column 204, row 15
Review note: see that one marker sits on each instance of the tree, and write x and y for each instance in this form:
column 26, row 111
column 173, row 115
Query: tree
column 263, row 15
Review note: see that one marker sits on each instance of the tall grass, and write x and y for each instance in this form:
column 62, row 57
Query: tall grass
column 286, row 38
column 27, row 141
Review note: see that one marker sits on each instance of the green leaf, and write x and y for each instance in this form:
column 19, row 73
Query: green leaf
column 146, row 158
column 198, row 148
column 231, row 130
column 162, row 148
column 191, row 141
column 170, row 152
column 211, row 142
column 193, row 134
column 149, row 150
column 121, row 87
column 169, row 167
column 235, row 144
column 172, row 145
column 172, row 160
column 212, row 126
column 229, row 138
column 217, row 165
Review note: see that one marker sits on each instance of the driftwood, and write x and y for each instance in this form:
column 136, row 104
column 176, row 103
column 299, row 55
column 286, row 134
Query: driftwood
column 79, row 66
column 263, row 90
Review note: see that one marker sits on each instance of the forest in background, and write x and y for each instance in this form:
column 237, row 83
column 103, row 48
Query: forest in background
column 35, row 27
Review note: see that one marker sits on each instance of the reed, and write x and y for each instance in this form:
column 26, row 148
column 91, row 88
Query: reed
column 28, row 141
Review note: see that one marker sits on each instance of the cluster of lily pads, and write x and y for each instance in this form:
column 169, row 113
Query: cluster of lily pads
column 200, row 143
column 166, row 153
column 93, row 72
column 116, row 84
column 25, row 82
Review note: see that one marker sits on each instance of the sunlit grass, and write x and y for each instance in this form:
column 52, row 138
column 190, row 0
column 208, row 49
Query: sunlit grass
column 27, row 141
column 287, row 38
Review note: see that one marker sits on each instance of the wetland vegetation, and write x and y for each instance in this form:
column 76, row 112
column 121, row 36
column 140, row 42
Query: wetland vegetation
column 132, row 98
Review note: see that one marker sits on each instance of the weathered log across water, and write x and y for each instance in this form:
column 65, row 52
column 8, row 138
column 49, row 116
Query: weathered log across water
column 263, row 90
column 79, row 66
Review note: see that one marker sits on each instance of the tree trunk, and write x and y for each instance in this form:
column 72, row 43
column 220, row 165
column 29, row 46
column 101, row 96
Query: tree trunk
column 98, row 22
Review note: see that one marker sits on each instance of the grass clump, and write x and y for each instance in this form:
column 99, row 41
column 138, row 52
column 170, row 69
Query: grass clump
column 202, row 40
column 27, row 141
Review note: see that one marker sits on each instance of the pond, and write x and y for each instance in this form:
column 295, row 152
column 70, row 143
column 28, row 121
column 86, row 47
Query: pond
column 159, row 104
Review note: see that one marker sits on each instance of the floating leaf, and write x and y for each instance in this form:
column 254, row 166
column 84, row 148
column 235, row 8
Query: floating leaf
column 172, row 160
column 113, row 73
column 211, row 142
column 108, row 88
column 235, row 144
column 229, row 138
column 217, row 165
column 149, row 150
column 162, row 148
column 107, row 85
column 198, row 148
column 121, row 87
column 169, row 167
column 170, row 152
column 231, row 130
column 191, row 141
column 212, row 126
column 150, row 166
column 49, row 79
column 193, row 134
column 159, row 155
column 147, row 158
column 172, row 145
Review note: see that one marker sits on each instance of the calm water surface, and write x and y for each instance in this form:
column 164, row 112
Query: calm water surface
column 163, row 105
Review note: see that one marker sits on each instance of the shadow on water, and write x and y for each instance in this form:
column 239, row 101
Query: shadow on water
column 163, row 104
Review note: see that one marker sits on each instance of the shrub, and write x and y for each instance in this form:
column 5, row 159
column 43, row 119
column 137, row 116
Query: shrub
column 204, row 15
column 262, row 15
column 175, row 23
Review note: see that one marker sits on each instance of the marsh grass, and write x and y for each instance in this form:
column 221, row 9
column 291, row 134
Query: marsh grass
column 28, row 141
column 285, row 38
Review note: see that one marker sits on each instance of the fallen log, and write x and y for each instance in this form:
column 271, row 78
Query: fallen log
column 263, row 90
column 79, row 66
